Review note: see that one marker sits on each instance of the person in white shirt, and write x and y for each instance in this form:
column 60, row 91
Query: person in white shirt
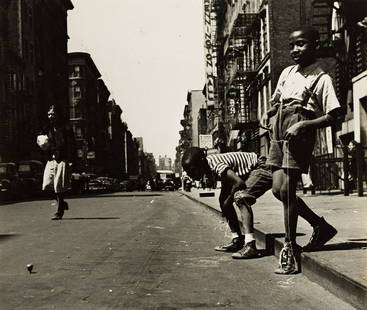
column 303, row 101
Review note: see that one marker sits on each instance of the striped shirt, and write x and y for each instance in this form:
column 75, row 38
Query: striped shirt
column 239, row 162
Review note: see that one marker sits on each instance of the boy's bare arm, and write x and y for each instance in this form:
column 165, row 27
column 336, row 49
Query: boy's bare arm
column 231, row 183
column 232, row 178
column 264, row 121
column 320, row 122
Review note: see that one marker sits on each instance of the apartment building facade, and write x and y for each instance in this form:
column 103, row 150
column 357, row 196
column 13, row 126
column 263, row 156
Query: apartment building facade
column 247, row 43
column 33, row 54
column 83, row 105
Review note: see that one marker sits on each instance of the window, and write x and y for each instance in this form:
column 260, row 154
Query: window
column 30, row 15
column 13, row 81
column 78, row 132
column 24, row 168
column 31, row 52
column 78, row 112
column 76, row 70
column 25, row 49
column 1, row 50
column 77, row 92
column 264, row 42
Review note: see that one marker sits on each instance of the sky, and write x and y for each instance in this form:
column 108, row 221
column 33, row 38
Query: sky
column 149, row 53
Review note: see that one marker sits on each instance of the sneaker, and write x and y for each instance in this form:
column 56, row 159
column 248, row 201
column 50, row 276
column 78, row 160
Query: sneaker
column 287, row 260
column 235, row 245
column 321, row 234
column 249, row 251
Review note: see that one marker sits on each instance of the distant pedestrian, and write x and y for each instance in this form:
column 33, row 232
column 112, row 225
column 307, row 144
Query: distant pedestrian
column 244, row 178
column 303, row 101
column 60, row 148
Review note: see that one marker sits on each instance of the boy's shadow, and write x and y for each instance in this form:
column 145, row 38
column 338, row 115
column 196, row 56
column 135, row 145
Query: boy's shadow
column 341, row 246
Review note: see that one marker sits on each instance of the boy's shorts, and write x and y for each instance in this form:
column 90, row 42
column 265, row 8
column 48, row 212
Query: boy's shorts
column 259, row 181
column 294, row 154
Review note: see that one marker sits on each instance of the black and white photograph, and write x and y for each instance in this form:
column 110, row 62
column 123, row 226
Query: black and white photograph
column 183, row 154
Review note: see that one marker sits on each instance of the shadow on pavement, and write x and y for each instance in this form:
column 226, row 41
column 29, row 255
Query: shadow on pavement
column 77, row 196
column 343, row 246
column 111, row 196
column 8, row 236
column 89, row 218
column 363, row 239
column 282, row 235
column 264, row 253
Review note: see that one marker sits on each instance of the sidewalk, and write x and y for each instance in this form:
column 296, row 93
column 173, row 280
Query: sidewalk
column 342, row 266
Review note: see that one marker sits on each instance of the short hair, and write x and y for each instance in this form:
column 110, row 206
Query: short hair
column 311, row 32
column 192, row 156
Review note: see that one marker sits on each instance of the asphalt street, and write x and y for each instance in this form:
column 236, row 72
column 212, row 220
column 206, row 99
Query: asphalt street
column 138, row 250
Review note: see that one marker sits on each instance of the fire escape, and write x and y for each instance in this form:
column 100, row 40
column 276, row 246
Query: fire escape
column 240, row 63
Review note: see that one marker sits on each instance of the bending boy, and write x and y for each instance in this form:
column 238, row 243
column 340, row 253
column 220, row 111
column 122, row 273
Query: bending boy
column 244, row 178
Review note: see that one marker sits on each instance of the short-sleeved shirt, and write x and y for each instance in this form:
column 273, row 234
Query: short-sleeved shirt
column 240, row 162
column 295, row 82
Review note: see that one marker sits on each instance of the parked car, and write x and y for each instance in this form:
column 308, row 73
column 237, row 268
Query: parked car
column 107, row 183
column 78, row 183
column 31, row 176
column 129, row 185
column 10, row 184
column 95, row 185
column 168, row 185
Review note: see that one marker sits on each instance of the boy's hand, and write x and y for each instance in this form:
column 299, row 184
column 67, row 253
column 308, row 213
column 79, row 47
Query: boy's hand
column 240, row 185
column 264, row 121
column 295, row 130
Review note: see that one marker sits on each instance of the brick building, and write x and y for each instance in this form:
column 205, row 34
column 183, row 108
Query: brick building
column 33, row 53
column 83, row 100
column 102, row 139
column 246, row 48
column 116, row 132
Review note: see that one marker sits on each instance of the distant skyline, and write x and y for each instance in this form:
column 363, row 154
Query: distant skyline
column 150, row 53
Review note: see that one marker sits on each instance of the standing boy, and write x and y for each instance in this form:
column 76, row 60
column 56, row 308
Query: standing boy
column 303, row 101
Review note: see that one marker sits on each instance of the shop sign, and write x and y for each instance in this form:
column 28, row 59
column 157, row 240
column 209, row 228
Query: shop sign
column 206, row 141
column 210, row 53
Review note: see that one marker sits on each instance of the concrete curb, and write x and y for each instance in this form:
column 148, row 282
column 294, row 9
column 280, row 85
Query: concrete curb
column 335, row 282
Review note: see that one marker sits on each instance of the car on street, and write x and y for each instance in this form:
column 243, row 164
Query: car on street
column 169, row 185
column 95, row 185
column 107, row 183
column 129, row 185
column 31, row 177
column 10, row 184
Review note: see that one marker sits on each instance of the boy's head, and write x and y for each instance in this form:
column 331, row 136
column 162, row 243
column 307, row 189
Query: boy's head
column 303, row 43
column 194, row 162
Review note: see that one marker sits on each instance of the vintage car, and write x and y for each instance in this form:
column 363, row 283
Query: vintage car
column 10, row 184
column 31, row 176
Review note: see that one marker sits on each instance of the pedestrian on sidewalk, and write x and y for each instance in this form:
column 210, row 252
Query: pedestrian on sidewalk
column 57, row 139
column 303, row 101
column 244, row 177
